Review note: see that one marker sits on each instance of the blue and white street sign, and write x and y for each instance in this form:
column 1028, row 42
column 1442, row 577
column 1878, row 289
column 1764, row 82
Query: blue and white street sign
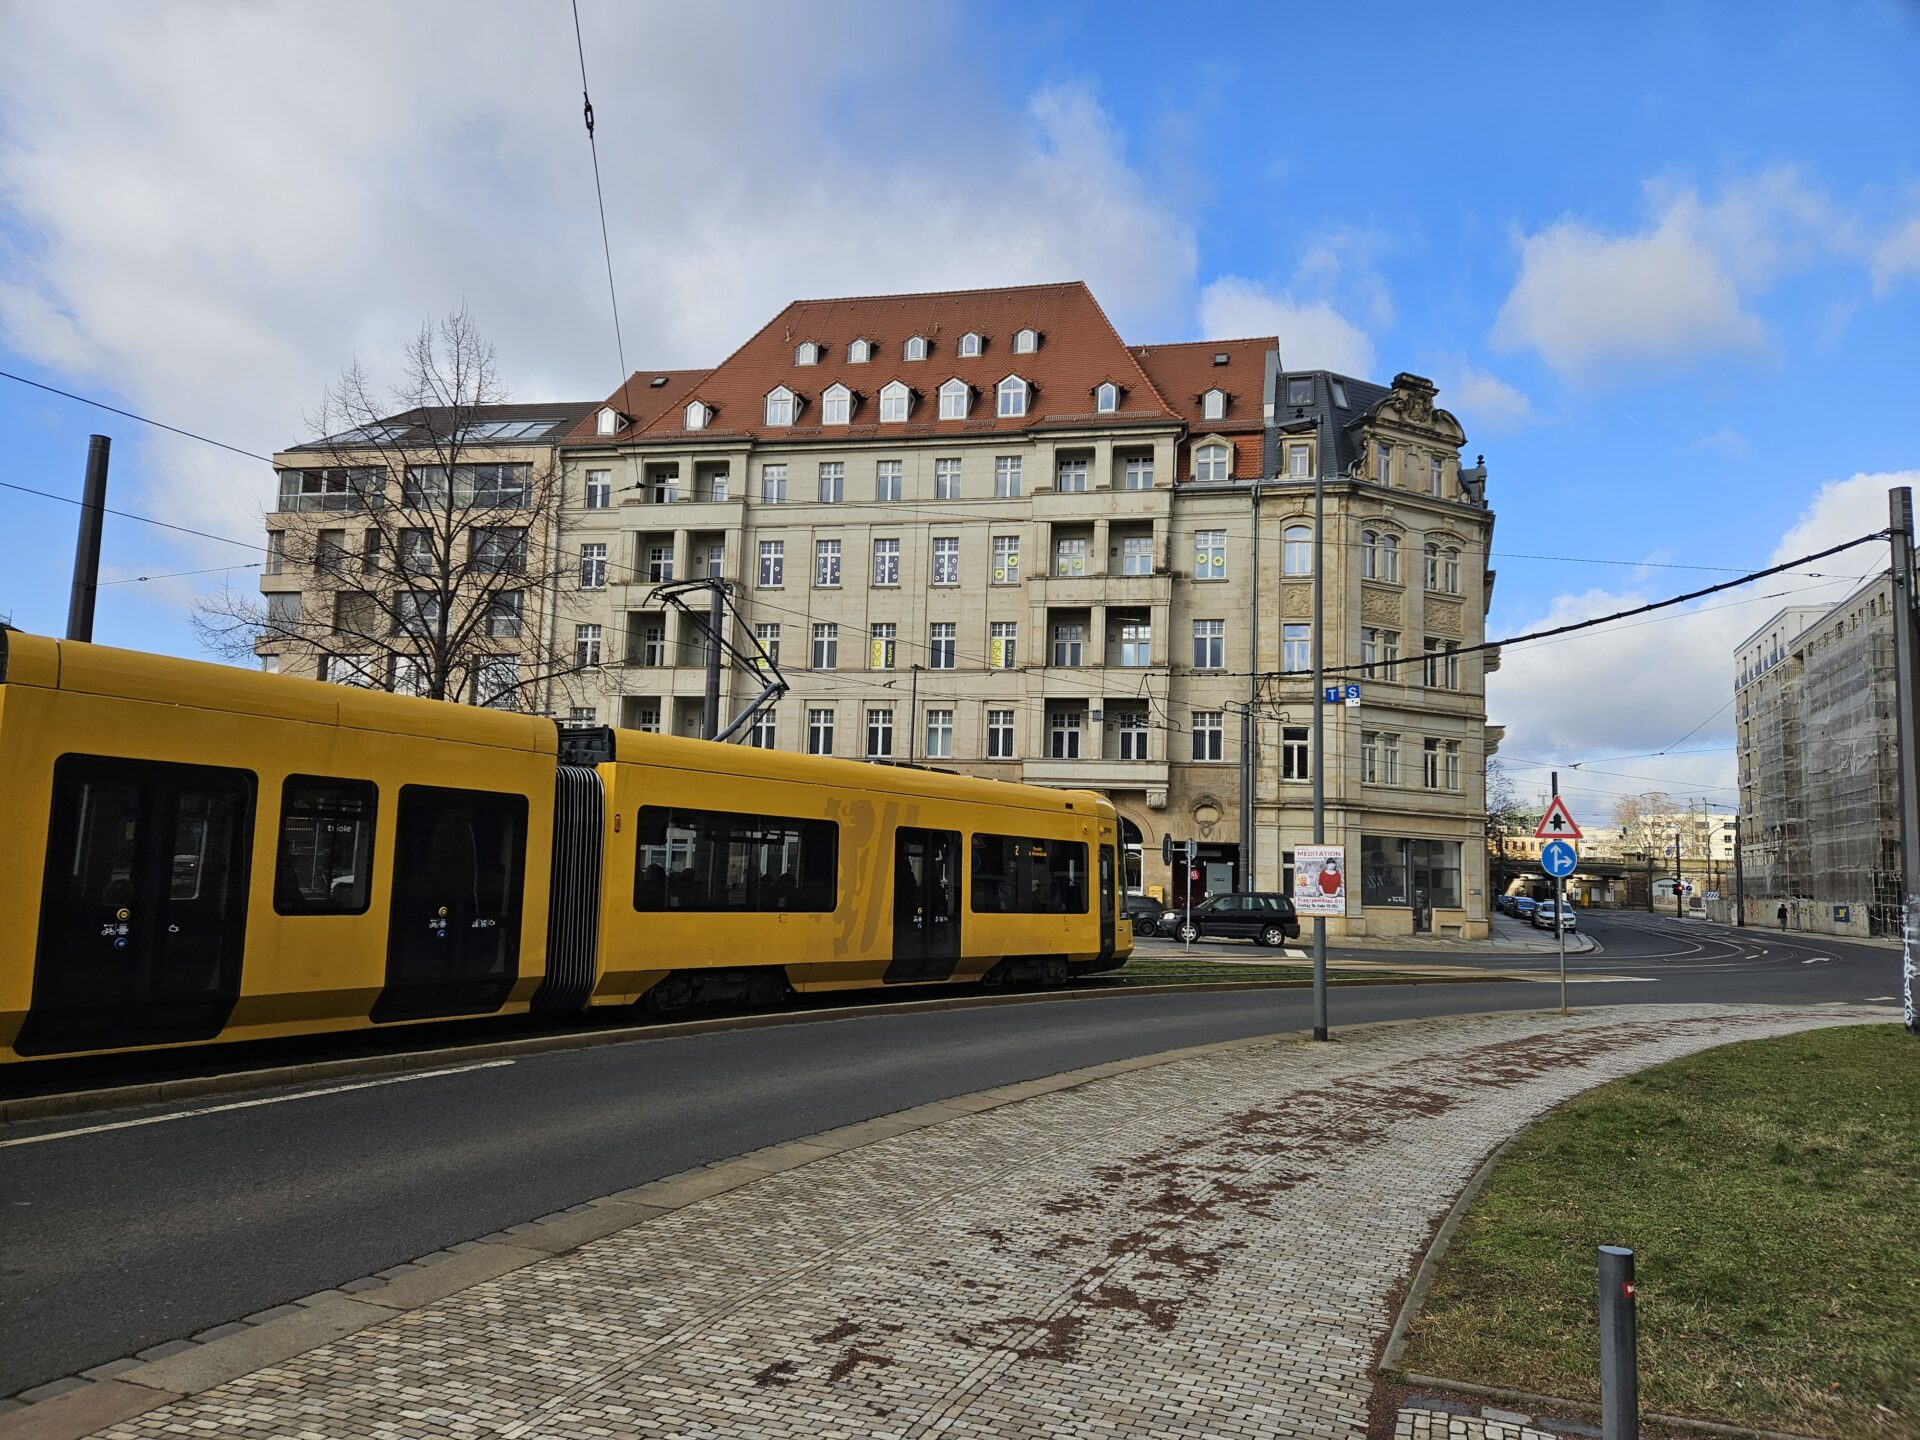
column 1331, row 695
column 1559, row 859
column 1353, row 697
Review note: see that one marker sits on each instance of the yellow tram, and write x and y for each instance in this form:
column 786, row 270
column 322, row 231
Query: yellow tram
column 192, row 853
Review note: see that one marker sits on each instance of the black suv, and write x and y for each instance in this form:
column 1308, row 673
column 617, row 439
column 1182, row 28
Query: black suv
column 1144, row 911
column 1262, row 917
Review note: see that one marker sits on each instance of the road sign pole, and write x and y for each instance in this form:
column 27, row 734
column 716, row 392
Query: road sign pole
column 1560, row 915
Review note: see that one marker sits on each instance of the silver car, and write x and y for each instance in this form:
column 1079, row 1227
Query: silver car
column 1546, row 914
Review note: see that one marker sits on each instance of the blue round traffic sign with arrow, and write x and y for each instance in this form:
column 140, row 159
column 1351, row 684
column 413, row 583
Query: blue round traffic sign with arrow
column 1559, row 859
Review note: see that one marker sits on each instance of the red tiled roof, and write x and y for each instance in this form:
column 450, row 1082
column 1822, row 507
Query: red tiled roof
column 1078, row 349
column 642, row 400
column 1185, row 372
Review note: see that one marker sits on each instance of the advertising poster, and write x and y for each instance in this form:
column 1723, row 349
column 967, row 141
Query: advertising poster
column 1320, row 879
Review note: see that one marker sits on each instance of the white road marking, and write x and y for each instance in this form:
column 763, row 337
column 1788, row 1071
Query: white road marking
column 1818, row 960
column 249, row 1104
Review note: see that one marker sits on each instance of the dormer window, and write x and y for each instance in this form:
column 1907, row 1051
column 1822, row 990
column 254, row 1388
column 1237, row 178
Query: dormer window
column 1013, row 398
column 806, row 353
column 859, row 352
column 1106, row 397
column 697, row 415
column 916, row 347
column 971, row 344
column 780, row 406
column 1213, row 405
column 895, row 399
column 836, row 405
column 956, row 399
column 1300, row 390
column 1211, row 461
column 1025, row 342
column 1340, row 393
column 607, row 421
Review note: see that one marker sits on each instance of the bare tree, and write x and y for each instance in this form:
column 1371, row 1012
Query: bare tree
column 1646, row 820
column 1507, row 816
column 446, row 587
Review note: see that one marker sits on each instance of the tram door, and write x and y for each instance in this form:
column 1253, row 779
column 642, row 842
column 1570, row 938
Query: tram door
column 1108, row 900
column 926, row 905
column 143, row 913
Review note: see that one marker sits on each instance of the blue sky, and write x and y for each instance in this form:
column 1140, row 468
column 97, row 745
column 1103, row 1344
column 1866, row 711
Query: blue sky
column 1663, row 260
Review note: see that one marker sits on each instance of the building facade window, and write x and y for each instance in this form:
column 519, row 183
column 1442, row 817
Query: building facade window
column 646, row 641
column 1006, row 559
column 806, row 353
column 1209, row 644
column 1300, row 462
column 820, row 732
column 946, row 560
column 1106, row 398
column 833, row 483
column 915, row 348
column 1450, row 764
column 1136, row 473
column 1435, row 471
column 647, row 718
column 1209, row 735
column 694, row 417
column 760, row 735
column 946, row 479
column 886, row 480
column 586, row 647
column 1136, row 555
column 505, row 612
column 1213, row 405
column 1369, row 757
column 1383, row 464
column 940, row 734
column 780, row 406
column 1069, row 644
column 1296, row 550
column 1071, row 477
column 1379, row 556
column 1130, row 733
column 1069, row 557
column 886, row 562
column 895, row 401
column 1296, row 648
column 593, row 566
column 859, row 352
column 941, row 640
column 659, row 563
column 1430, row 764
column 826, row 564
column 999, row 734
column 1064, row 728
column 773, row 564
column 1003, row 645
column 879, row 733
column 969, row 345
column 1136, row 643
column 1006, row 477
column 1210, row 555
column 1210, row 463
column 1378, row 650
column 767, row 636
column 1450, row 569
column 1295, row 753
column 956, row 399
column 1012, row 398
column 773, row 484
column 1025, row 342
column 826, row 646
column 1442, row 664
column 883, row 649
column 599, row 489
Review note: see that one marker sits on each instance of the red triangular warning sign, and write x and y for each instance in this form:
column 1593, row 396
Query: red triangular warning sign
column 1557, row 823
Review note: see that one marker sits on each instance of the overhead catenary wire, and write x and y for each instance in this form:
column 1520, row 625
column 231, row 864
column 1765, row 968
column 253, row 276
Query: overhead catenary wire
column 600, row 198
column 143, row 419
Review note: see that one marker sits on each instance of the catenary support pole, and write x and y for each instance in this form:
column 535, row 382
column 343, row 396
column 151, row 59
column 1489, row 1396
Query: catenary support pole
column 1619, row 1347
column 1560, row 915
column 1319, row 737
column 1249, row 723
column 1679, row 899
column 913, row 713
column 1906, row 677
column 1739, row 871
column 716, row 618
column 86, row 550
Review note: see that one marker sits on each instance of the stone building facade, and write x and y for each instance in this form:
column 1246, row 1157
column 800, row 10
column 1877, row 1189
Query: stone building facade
column 978, row 530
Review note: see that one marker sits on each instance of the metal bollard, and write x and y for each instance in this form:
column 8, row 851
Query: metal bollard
column 1619, row 1347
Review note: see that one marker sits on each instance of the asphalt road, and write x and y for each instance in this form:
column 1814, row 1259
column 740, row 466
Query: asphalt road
column 119, row 1238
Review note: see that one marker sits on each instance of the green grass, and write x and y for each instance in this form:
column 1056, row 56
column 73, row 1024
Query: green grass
column 1771, row 1194
column 1193, row 972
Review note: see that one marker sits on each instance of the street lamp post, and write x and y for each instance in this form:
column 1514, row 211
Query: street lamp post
column 1319, row 738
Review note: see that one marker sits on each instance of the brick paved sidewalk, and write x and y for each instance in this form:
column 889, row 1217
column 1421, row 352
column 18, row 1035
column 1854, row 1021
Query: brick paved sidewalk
column 1201, row 1247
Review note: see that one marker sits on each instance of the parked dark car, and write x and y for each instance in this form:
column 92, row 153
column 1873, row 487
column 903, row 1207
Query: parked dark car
column 1265, row 918
column 1144, row 911
column 1523, row 906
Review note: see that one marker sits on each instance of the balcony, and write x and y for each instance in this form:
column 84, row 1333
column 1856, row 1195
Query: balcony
column 1079, row 591
column 1096, row 774
column 1068, row 506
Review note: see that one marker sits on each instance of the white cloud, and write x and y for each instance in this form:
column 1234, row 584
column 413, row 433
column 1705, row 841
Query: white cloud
column 1896, row 257
column 1724, row 441
column 210, row 238
column 1677, row 289
column 1638, row 687
column 1313, row 335
column 1480, row 401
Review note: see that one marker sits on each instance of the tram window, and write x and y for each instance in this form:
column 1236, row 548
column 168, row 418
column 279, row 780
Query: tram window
column 713, row 861
column 1020, row 875
column 326, row 847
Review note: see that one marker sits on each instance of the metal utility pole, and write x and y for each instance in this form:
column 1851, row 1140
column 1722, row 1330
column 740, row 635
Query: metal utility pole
column 1619, row 1346
column 1739, row 871
column 1319, row 736
column 86, row 550
column 1560, row 915
column 1679, row 900
column 913, row 712
column 1906, row 673
column 1649, row 876
column 716, row 618
column 1249, row 725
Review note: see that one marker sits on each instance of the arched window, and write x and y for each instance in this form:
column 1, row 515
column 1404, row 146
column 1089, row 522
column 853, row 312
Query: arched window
column 971, row 344
column 1013, row 397
column 1450, row 570
column 894, row 401
column 859, row 352
column 956, row 398
column 916, row 347
column 1379, row 556
column 1390, row 558
column 1025, row 342
column 1296, row 550
column 779, row 406
column 1210, row 462
column 1214, row 404
column 1431, row 552
column 836, row 405
column 696, row 416
column 1106, row 398
column 806, row 353
column 607, row 421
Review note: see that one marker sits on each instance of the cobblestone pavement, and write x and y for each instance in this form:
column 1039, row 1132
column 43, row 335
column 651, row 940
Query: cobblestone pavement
column 1197, row 1248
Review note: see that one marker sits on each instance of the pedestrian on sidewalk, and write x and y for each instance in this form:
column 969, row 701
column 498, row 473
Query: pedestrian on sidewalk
column 1781, row 915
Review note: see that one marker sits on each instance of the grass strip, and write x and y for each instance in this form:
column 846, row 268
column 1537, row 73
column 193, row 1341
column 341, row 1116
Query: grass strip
column 1771, row 1193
